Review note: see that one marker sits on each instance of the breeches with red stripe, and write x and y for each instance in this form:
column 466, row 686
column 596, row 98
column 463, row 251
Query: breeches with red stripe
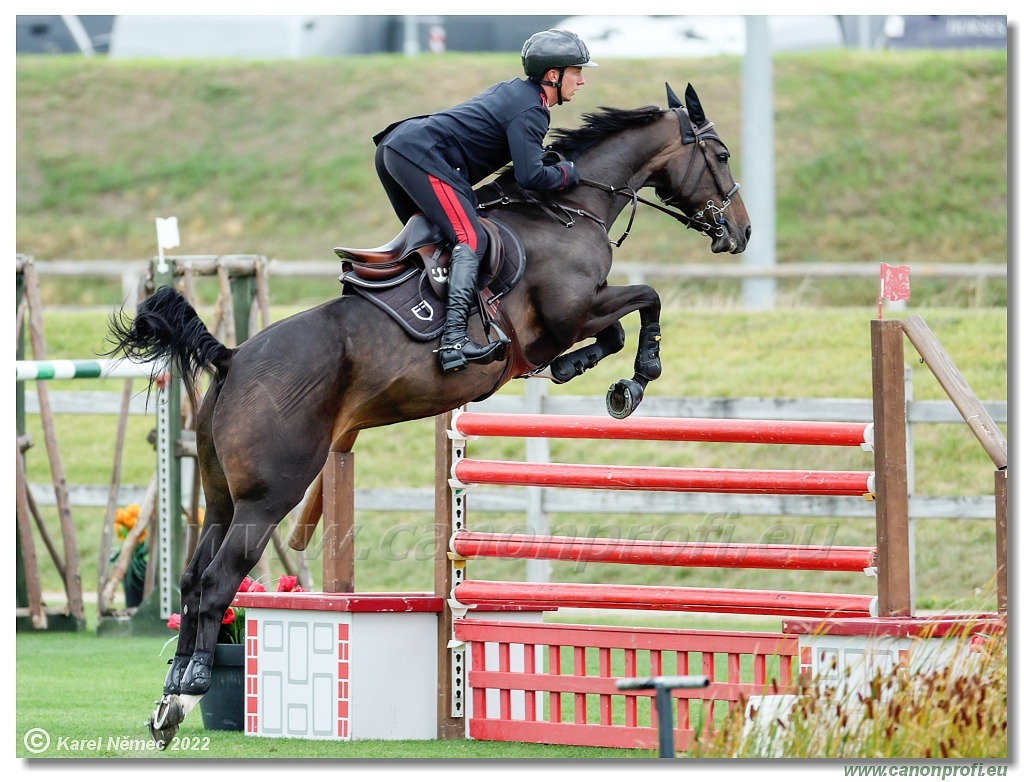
column 412, row 189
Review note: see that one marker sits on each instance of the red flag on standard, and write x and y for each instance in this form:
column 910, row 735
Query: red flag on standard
column 894, row 285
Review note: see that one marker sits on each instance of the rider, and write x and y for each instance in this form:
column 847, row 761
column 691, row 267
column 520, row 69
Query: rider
column 430, row 164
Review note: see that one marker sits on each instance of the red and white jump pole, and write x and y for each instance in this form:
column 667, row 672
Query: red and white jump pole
column 710, row 430
column 631, row 597
column 666, row 553
column 467, row 472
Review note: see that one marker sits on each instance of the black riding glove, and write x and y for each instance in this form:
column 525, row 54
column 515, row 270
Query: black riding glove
column 572, row 176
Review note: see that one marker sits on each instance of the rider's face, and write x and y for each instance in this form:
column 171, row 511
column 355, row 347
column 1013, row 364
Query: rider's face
column 572, row 80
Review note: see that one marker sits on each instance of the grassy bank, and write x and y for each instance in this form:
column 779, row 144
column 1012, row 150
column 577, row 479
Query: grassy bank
column 894, row 156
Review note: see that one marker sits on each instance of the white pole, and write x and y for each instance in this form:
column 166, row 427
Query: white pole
column 759, row 162
column 411, row 43
column 77, row 30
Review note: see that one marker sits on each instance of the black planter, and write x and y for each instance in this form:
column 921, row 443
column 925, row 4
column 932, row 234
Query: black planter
column 223, row 706
column 132, row 591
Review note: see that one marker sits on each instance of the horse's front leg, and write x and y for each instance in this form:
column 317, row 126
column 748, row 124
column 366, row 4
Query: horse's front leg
column 609, row 306
column 625, row 396
column 574, row 363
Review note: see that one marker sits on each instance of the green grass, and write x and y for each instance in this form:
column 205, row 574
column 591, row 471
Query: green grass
column 78, row 686
column 894, row 156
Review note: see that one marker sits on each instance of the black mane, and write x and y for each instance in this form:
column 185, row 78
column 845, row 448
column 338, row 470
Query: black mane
column 599, row 125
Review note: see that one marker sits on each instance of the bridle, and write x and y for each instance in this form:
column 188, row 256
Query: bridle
column 691, row 134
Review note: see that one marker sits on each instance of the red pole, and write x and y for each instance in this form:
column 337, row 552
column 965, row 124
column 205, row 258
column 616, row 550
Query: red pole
column 695, row 479
column 853, row 559
column 661, row 598
column 713, row 430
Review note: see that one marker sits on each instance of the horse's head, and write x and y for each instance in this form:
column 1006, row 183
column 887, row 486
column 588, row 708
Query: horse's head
column 695, row 178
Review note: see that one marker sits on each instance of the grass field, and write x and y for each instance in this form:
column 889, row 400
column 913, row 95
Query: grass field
column 109, row 690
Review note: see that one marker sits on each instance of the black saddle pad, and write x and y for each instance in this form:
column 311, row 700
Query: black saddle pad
column 420, row 311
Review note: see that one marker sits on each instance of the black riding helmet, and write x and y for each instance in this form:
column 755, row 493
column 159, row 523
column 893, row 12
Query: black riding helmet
column 559, row 49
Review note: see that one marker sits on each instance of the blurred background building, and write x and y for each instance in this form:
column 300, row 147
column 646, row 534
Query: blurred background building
column 277, row 37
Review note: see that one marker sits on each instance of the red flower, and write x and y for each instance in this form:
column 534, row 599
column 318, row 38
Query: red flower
column 245, row 585
column 174, row 621
column 229, row 616
column 298, row 588
column 256, row 586
column 286, row 583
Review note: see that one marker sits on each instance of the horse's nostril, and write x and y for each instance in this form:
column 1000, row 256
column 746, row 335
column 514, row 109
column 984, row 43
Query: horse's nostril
column 747, row 233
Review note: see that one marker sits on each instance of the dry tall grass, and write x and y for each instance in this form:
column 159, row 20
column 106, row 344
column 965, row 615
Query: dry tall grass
column 954, row 712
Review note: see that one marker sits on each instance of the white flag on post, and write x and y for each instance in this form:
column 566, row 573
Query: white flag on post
column 167, row 232
column 166, row 238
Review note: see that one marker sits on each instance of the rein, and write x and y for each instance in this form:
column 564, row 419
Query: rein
column 567, row 215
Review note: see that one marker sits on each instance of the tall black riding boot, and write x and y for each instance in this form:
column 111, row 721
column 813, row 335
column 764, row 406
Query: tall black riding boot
column 456, row 348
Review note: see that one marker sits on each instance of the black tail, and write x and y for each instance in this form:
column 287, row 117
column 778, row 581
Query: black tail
column 166, row 326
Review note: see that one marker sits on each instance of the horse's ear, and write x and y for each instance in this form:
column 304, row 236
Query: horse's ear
column 693, row 107
column 673, row 99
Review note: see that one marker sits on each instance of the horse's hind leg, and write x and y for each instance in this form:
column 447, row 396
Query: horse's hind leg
column 247, row 536
column 173, row 708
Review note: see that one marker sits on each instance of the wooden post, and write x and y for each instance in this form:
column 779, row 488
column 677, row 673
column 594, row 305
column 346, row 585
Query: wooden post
column 448, row 727
column 243, row 289
column 107, row 532
column 27, row 549
column 73, row 574
column 20, row 583
column 339, row 522
column 892, row 536
column 1001, row 556
column 226, row 303
column 957, row 389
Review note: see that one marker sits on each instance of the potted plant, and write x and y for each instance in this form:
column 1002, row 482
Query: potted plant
column 134, row 579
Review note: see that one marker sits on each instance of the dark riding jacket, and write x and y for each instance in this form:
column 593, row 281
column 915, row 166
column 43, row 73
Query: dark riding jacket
column 465, row 144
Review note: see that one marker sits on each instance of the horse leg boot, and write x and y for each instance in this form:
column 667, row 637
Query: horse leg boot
column 457, row 349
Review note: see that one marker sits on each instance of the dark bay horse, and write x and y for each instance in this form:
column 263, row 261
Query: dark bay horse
column 281, row 400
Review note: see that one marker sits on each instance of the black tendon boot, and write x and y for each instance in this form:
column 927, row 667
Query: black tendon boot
column 456, row 348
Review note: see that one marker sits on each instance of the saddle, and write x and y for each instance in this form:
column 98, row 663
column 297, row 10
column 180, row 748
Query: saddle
column 419, row 248
column 408, row 277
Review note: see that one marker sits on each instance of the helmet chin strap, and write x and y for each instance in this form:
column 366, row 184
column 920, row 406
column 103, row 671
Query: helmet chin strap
column 557, row 85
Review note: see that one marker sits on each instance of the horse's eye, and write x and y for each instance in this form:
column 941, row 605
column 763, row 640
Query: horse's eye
column 723, row 157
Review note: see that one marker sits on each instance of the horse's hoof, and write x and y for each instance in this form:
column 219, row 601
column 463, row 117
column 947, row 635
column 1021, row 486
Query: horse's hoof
column 198, row 675
column 623, row 398
column 164, row 721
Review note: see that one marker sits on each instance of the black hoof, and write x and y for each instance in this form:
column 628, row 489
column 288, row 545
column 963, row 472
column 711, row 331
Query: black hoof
column 623, row 398
column 164, row 721
column 172, row 683
column 198, row 675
